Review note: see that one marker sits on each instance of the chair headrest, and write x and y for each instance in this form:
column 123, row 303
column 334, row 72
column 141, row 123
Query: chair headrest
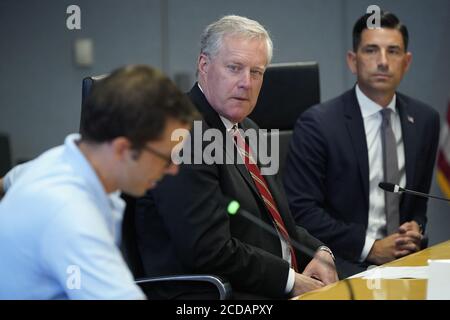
column 288, row 89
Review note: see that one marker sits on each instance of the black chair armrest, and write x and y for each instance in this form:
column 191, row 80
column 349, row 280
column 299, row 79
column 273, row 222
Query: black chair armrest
column 222, row 286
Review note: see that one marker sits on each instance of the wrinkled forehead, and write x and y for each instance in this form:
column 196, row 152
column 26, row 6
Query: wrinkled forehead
column 238, row 46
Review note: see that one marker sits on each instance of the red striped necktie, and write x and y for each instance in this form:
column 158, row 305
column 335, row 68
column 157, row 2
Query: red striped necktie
column 261, row 185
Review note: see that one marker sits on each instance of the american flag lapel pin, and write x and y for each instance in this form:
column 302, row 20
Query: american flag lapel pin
column 410, row 119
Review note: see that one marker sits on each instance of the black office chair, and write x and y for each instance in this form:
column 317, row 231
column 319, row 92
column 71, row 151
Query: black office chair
column 288, row 90
column 130, row 248
column 5, row 154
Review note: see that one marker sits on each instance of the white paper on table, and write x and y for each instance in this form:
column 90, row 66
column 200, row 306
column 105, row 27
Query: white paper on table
column 421, row 272
column 438, row 287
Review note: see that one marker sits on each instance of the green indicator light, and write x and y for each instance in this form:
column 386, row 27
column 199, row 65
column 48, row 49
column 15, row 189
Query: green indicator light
column 233, row 207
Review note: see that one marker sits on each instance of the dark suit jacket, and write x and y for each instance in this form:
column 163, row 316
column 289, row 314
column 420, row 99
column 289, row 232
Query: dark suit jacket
column 183, row 226
column 327, row 174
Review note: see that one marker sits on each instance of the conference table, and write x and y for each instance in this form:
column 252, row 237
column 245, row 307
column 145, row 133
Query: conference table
column 384, row 289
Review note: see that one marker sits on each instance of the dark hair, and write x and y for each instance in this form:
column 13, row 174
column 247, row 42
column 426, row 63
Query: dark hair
column 387, row 20
column 134, row 102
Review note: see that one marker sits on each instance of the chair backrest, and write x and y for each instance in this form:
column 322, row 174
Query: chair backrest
column 130, row 250
column 5, row 154
column 288, row 90
column 86, row 87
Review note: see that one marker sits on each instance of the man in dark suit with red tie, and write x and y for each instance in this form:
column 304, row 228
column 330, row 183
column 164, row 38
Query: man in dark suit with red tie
column 183, row 226
column 343, row 148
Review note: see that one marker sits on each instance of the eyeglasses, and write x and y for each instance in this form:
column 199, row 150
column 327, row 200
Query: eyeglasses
column 167, row 159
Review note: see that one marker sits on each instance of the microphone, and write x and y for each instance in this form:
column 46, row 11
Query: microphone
column 390, row 187
column 233, row 207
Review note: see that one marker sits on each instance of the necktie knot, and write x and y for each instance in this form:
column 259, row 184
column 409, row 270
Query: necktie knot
column 234, row 131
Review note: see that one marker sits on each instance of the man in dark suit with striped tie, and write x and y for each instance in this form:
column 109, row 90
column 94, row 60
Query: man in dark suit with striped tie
column 183, row 226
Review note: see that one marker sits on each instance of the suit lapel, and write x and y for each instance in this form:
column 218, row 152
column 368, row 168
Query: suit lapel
column 282, row 206
column 272, row 184
column 407, row 120
column 355, row 127
column 277, row 195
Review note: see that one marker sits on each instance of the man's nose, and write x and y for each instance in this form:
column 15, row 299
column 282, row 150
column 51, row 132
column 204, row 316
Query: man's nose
column 245, row 80
column 383, row 64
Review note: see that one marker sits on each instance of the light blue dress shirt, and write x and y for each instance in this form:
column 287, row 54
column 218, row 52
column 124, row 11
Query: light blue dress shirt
column 60, row 232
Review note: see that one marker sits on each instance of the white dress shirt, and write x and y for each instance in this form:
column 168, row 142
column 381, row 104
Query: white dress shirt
column 370, row 110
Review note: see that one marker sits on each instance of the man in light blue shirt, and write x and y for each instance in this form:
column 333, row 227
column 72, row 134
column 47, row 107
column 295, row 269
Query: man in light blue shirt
column 60, row 221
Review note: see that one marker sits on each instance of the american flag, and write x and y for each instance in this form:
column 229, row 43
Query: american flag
column 443, row 162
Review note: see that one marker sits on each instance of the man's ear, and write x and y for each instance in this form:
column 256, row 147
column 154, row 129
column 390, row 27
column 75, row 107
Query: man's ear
column 202, row 64
column 351, row 61
column 121, row 147
column 408, row 60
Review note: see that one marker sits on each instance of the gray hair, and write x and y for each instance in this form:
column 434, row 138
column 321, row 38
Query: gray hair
column 213, row 35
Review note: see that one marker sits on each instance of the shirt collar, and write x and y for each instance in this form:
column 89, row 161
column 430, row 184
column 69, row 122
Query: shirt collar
column 370, row 107
column 82, row 164
column 230, row 126
column 85, row 169
column 200, row 87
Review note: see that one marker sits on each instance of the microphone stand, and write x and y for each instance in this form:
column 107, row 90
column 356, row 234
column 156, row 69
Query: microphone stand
column 234, row 207
column 394, row 188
